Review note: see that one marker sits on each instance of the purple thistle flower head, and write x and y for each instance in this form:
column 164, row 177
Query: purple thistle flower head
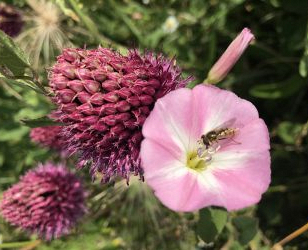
column 50, row 137
column 104, row 98
column 10, row 20
column 48, row 201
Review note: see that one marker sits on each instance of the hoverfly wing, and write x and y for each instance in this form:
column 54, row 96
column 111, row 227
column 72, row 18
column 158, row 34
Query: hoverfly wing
column 226, row 132
column 227, row 124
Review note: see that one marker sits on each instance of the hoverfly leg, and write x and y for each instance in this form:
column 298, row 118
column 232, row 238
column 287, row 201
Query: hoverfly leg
column 236, row 142
column 208, row 158
column 213, row 148
column 202, row 152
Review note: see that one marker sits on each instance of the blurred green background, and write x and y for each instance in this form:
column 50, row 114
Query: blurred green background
column 272, row 74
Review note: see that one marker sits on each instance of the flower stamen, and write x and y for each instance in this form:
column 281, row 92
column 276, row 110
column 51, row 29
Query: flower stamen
column 195, row 162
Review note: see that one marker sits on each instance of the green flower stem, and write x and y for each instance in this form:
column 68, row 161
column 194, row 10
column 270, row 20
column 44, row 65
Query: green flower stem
column 20, row 244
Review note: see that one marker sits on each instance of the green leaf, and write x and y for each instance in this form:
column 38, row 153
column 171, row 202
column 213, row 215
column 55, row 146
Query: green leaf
column 279, row 90
column 247, row 228
column 275, row 3
column 289, row 131
column 67, row 11
column 303, row 65
column 211, row 223
column 11, row 56
column 13, row 134
column 236, row 246
column 39, row 122
column 23, row 83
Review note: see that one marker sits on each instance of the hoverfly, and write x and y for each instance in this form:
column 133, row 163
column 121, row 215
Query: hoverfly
column 209, row 142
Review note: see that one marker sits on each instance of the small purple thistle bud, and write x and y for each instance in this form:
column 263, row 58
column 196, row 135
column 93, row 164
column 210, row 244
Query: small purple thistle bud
column 75, row 85
column 75, row 116
column 146, row 99
column 137, row 137
column 111, row 97
column 99, row 76
column 148, row 90
column 66, row 95
column 141, row 83
column 60, row 82
column 90, row 120
column 97, row 98
column 117, row 96
column 134, row 101
column 83, row 74
column 68, row 71
column 117, row 129
column 137, row 90
column 69, row 108
column 123, row 106
column 50, row 137
column 127, row 83
column 124, row 135
column 141, row 119
column 83, row 96
column 70, row 55
column 82, row 136
column 130, row 124
column 144, row 110
column 110, row 85
column 85, row 109
column 91, row 86
column 48, row 200
column 114, row 76
column 81, row 127
column 154, row 83
column 123, row 116
column 124, row 93
column 109, row 120
column 101, row 127
column 108, row 109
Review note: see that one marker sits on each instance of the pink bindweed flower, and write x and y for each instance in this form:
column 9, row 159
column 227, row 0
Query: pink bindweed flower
column 50, row 137
column 225, row 63
column 48, row 200
column 185, row 173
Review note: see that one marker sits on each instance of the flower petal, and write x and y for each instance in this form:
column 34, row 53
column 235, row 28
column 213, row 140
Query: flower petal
column 170, row 177
column 225, row 63
column 183, row 190
column 170, row 125
column 213, row 107
column 158, row 160
column 242, row 186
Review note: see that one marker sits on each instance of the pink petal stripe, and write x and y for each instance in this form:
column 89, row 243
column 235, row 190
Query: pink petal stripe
column 170, row 125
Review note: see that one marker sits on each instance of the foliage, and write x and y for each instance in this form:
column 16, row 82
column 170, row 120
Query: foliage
column 272, row 74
